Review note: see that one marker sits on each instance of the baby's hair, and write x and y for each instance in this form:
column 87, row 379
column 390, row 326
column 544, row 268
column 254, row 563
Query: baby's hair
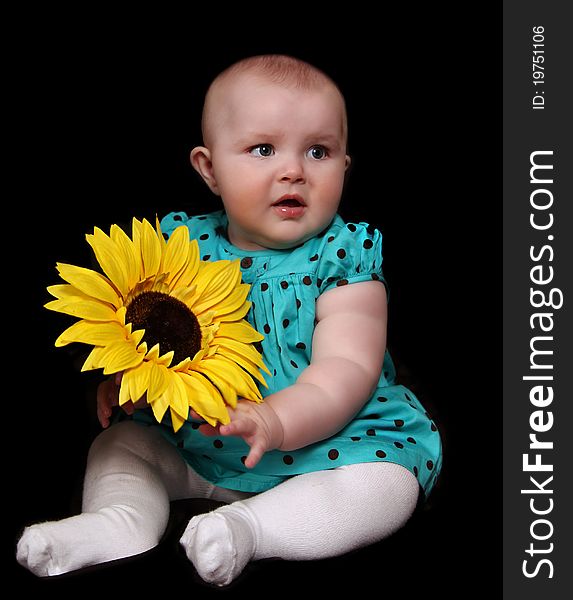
column 280, row 68
column 275, row 68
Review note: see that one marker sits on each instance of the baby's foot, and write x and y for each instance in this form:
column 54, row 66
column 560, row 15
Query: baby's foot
column 219, row 544
column 34, row 552
column 57, row 547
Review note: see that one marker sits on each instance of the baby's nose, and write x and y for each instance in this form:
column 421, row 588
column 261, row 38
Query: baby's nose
column 292, row 171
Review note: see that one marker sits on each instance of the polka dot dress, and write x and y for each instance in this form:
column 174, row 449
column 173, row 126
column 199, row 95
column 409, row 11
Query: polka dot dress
column 392, row 426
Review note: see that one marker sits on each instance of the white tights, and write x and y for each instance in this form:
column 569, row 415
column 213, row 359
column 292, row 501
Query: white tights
column 133, row 473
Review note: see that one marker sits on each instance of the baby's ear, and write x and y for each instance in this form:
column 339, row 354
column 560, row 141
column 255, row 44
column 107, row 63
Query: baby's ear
column 201, row 160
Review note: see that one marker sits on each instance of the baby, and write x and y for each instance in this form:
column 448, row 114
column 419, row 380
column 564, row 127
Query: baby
column 336, row 456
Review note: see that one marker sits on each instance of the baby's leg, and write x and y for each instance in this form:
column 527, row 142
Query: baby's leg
column 311, row 516
column 131, row 475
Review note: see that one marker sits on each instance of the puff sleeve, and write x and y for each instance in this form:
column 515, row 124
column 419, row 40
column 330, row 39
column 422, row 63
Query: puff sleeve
column 350, row 253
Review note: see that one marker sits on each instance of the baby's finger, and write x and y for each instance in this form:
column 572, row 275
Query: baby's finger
column 103, row 415
column 208, row 430
column 243, row 427
column 255, row 454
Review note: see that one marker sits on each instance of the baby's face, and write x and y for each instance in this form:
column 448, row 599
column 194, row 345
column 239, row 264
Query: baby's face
column 278, row 158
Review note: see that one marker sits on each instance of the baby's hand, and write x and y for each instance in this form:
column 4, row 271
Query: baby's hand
column 257, row 424
column 108, row 397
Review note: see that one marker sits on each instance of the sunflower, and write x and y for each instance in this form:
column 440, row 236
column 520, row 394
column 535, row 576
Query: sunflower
column 171, row 323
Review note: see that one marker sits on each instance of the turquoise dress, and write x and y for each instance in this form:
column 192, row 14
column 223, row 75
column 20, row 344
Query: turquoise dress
column 285, row 284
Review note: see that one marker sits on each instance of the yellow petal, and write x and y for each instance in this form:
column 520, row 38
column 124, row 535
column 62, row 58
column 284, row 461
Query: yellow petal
column 244, row 350
column 158, row 382
column 110, row 258
column 235, row 306
column 235, row 376
column 175, row 253
column 91, row 283
column 93, row 332
column 240, row 331
column 176, row 420
column 150, row 249
column 119, row 357
column 159, row 406
column 178, row 398
column 138, row 380
column 215, row 281
column 191, row 268
column 83, row 308
column 129, row 257
column 205, row 399
column 216, row 377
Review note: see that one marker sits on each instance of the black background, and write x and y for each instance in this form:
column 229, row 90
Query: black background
column 104, row 112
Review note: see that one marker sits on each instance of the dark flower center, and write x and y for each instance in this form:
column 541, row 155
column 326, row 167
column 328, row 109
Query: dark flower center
column 167, row 322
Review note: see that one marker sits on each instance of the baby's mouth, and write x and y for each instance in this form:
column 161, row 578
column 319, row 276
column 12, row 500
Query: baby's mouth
column 293, row 201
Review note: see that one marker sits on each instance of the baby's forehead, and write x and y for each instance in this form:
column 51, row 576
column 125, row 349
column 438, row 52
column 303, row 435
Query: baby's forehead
column 234, row 90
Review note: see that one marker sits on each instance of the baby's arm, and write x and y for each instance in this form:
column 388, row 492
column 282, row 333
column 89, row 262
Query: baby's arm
column 348, row 348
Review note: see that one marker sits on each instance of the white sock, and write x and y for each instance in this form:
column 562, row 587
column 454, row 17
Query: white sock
column 125, row 504
column 311, row 516
column 220, row 543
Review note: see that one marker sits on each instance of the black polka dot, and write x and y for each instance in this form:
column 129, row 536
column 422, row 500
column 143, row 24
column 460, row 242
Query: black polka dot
column 415, row 469
column 371, row 432
column 330, row 239
column 284, row 285
column 264, row 287
column 367, row 244
column 380, row 454
column 411, row 440
column 267, row 328
column 382, row 399
column 318, row 282
column 218, row 444
column 351, row 227
column 314, row 258
column 307, row 280
column 298, row 303
column 398, row 422
column 288, row 459
column 433, row 427
column 177, row 218
column 246, row 262
column 333, row 454
column 375, row 277
column 430, row 465
column 206, row 257
column 195, row 425
column 301, row 346
column 341, row 253
column 408, row 398
column 341, row 282
column 204, row 236
column 355, row 438
column 399, row 445
column 294, row 364
column 285, row 323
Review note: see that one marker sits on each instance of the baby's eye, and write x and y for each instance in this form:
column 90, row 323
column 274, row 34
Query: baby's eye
column 317, row 152
column 262, row 150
